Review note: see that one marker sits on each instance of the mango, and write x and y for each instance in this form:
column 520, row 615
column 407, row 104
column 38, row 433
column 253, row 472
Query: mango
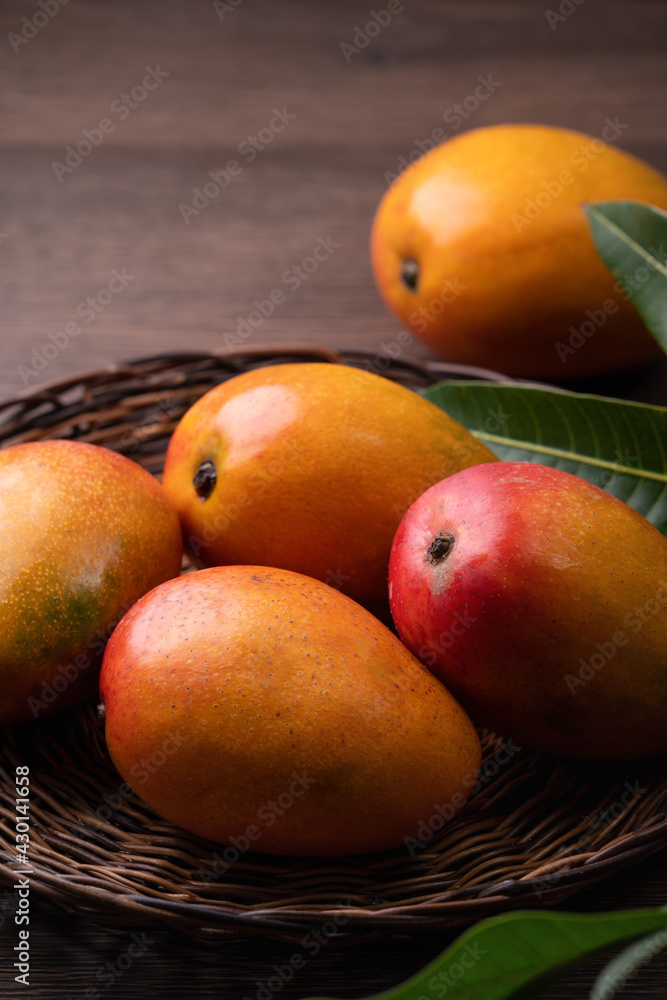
column 481, row 248
column 309, row 467
column 85, row 532
column 541, row 602
column 262, row 709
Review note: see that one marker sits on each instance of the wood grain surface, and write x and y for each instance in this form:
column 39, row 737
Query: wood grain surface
column 182, row 89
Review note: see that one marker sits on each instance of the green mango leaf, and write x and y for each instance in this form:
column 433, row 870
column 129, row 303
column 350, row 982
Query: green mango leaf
column 619, row 446
column 616, row 973
column 518, row 954
column 631, row 238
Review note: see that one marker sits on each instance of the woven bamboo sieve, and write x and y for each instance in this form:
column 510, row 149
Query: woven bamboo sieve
column 536, row 830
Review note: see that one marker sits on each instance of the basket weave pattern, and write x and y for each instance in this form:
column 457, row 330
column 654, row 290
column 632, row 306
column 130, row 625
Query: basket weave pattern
column 536, row 829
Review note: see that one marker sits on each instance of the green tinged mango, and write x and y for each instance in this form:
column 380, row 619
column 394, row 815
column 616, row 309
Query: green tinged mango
column 84, row 532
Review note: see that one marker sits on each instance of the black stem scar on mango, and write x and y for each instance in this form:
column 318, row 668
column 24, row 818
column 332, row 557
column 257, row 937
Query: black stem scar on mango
column 440, row 547
column 205, row 478
column 410, row 274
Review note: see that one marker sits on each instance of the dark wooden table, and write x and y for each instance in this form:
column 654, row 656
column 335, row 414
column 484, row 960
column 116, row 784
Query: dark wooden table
column 163, row 95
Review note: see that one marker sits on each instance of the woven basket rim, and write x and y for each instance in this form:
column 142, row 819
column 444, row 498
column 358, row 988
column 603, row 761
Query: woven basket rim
column 132, row 868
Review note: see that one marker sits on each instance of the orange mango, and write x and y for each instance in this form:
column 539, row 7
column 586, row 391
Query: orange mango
column 265, row 710
column 85, row 532
column 309, row 467
column 483, row 250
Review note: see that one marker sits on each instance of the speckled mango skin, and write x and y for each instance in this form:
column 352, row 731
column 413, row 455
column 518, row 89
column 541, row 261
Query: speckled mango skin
column 548, row 616
column 500, row 283
column 316, row 465
column 249, row 702
column 84, row 533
